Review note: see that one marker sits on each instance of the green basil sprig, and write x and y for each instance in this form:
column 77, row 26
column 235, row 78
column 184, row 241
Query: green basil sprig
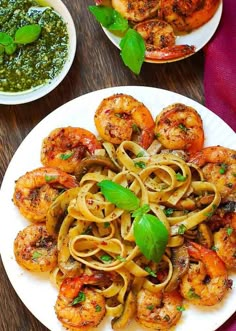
column 151, row 236
column 121, row 197
column 132, row 44
column 24, row 35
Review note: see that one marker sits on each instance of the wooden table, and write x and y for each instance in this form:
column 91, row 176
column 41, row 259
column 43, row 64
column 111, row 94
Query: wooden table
column 97, row 65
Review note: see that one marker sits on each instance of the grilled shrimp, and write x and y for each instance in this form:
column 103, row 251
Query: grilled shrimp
column 159, row 310
column 225, row 241
column 180, row 127
column 79, row 307
column 160, row 39
column 219, row 167
column 121, row 117
column 35, row 249
column 206, row 282
column 65, row 147
column 37, row 189
column 186, row 16
column 136, row 10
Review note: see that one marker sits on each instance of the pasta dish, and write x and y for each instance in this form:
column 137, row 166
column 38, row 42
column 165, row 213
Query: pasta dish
column 132, row 223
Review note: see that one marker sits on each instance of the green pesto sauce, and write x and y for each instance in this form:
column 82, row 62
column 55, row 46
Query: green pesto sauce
column 34, row 64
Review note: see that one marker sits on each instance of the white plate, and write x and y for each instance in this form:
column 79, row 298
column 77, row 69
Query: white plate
column 197, row 38
column 79, row 112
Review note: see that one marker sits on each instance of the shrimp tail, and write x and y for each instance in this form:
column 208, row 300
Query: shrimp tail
column 209, row 257
column 169, row 53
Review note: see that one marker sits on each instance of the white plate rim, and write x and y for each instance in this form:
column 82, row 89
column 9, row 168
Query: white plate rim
column 20, row 278
column 198, row 37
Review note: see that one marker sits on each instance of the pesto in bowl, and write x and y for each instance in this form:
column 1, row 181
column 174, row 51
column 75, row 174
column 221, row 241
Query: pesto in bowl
column 36, row 64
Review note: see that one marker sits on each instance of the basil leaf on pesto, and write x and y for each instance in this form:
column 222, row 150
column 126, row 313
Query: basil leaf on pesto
column 10, row 49
column 133, row 50
column 27, row 34
column 5, row 39
column 122, row 197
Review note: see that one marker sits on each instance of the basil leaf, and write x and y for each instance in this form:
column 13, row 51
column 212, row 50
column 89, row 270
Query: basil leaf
column 138, row 213
column 103, row 14
column 133, row 50
column 10, row 49
column 120, row 23
column 122, row 197
column 5, row 39
column 109, row 18
column 151, row 236
column 27, row 34
column 2, row 48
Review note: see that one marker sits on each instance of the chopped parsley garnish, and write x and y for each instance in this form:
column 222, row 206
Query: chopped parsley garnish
column 166, row 318
column 180, row 308
column 223, row 168
column 168, row 211
column 36, row 255
column 140, row 164
column 140, row 154
column 150, row 307
column 121, row 258
column 229, row 231
column 192, row 294
column 66, row 156
column 181, row 229
column 183, row 127
column 80, row 298
column 180, row 178
column 98, row 308
column 214, row 248
column 50, row 178
column 210, row 214
column 135, row 128
column 106, row 258
column 150, row 271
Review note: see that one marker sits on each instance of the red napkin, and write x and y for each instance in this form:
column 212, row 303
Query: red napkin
column 220, row 82
column 220, row 68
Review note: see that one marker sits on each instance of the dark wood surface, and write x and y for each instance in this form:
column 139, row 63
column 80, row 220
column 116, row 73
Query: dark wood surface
column 97, row 65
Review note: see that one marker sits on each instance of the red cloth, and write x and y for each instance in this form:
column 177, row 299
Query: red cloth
column 220, row 82
column 220, row 67
column 230, row 325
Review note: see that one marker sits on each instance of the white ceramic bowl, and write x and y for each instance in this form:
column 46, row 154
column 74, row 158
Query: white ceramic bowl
column 14, row 98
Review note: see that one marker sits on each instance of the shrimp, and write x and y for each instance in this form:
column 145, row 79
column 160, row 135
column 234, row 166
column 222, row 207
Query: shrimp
column 35, row 249
column 206, row 282
column 225, row 241
column 80, row 307
column 136, row 10
column 158, row 310
column 186, row 16
column 160, row 39
column 180, row 127
column 65, row 147
column 219, row 167
column 121, row 117
column 37, row 189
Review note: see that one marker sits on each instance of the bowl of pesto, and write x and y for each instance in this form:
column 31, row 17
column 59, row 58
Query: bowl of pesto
column 37, row 48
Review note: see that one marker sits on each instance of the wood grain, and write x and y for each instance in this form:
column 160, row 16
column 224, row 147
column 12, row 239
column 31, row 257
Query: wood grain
column 97, row 65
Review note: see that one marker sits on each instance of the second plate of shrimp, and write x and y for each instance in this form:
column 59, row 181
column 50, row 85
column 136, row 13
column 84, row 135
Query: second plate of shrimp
column 39, row 176
column 171, row 32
